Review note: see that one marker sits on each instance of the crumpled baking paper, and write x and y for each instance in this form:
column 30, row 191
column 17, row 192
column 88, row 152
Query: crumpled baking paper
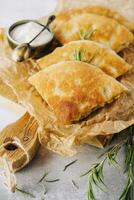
column 95, row 130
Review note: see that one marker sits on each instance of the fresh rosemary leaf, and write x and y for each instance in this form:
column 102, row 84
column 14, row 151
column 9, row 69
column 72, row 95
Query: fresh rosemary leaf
column 86, row 33
column 128, row 192
column 78, row 55
column 111, row 154
column 74, row 184
column 52, row 181
column 24, row 192
column 90, row 193
column 95, row 174
column 95, row 178
column 68, row 165
column 86, row 173
column 130, row 148
column 44, row 176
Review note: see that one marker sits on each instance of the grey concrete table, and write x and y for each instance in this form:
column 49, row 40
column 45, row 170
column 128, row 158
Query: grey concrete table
column 10, row 11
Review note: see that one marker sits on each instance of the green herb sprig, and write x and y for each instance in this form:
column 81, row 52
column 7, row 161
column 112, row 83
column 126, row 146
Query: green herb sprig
column 86, row 33
column 77, row 55
column 96, row 174
column 128, row 192
column 96, row 177
column 111, row 154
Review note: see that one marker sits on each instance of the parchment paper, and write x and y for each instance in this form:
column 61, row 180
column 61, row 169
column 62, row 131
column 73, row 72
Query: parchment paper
column 24, row 70
column 111, row 119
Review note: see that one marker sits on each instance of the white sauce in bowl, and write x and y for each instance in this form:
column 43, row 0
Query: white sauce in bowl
column 26, row 32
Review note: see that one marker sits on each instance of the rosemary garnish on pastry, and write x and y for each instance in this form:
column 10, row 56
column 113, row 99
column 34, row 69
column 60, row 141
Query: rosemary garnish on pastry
column 96, row 174
column 77, row 55
column 86, row 33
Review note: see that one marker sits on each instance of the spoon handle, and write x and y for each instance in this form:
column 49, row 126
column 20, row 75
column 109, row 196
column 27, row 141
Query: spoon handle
column 50, row 19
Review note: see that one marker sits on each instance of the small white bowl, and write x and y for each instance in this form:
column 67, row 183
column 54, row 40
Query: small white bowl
column 38, row 50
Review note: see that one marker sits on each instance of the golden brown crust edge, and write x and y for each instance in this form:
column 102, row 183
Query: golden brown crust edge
column 91, row 26
column 65, row 14
column 90, row 52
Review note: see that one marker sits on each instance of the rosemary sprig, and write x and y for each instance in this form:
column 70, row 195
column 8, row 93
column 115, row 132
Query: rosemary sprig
column 69, row 164
column 78, row 55
column 44, row 176
column 128, row 192
column 86, row 33
column 95, row 174
column 24, row 192
column 111, row 154
column 74, row 184
column 95, row 178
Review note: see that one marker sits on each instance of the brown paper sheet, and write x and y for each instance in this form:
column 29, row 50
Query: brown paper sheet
column 14, row 85
column 111, row 119
column 7, row 92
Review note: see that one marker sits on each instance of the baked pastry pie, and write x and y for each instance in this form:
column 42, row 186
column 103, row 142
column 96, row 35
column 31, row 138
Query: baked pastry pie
column 66, row 15
column 74, row 89
column 97, row 28
column 90, row 52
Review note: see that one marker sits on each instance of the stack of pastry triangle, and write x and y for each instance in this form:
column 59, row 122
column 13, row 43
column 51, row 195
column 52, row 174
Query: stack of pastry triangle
column 70, row 82
column 74, row 93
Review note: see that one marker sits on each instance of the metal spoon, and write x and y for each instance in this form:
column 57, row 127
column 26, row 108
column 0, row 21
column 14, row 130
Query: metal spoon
column 24, row 50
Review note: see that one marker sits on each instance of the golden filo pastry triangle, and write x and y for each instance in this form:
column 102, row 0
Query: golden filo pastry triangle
column 66, row 13
column 73, row 89
column 95, row 27
column 89, row 52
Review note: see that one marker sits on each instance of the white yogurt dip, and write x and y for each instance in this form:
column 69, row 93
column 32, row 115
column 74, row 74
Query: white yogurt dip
column 26, row 32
